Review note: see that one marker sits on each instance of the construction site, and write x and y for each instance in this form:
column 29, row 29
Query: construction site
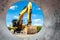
column 50, row 29
column 18, row 26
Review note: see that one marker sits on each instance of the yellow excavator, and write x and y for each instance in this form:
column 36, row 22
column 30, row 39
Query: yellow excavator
column 19, row 23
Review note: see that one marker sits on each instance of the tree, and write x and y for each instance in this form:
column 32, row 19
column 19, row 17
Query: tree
column 39, row 28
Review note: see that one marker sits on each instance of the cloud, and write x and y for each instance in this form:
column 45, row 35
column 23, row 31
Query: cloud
column 13, row 7
column 38, row 8
column 36, row 20
column 15, row 16
column 25, row 17
column 36, row 24
column 34, row 15
column 8, row 25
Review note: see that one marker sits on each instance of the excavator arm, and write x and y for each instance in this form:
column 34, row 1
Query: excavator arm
column 26, row 9
column 21, row 15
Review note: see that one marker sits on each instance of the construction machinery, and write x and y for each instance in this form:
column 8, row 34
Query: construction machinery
column 18, row 24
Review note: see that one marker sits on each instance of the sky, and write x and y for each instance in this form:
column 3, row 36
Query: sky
column 13, row 12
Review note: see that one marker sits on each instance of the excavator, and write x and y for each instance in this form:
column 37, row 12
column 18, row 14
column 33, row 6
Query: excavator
column 18, row 24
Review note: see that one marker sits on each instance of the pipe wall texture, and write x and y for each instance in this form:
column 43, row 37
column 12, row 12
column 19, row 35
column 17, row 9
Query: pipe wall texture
column 51, row 26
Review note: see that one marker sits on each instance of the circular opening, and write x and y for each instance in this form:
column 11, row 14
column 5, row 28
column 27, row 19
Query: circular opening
column 24, row 18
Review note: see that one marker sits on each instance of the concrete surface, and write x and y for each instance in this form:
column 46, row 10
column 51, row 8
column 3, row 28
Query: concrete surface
column 51, row 27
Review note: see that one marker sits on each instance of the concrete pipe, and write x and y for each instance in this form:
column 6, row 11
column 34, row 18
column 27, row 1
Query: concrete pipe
column 51, row 26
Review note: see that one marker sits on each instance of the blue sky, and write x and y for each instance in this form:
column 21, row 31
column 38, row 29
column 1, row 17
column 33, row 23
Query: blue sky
column 13, row 13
